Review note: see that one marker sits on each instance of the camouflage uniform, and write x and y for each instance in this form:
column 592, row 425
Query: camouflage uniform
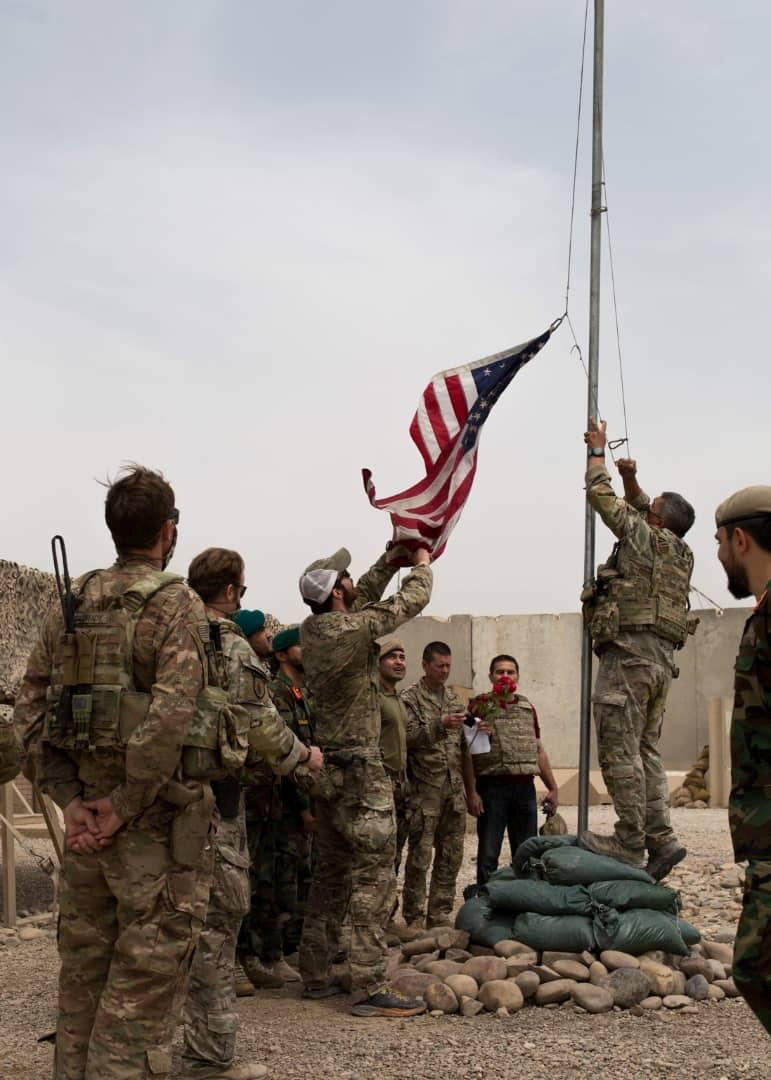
column 750, row 809
column 504, row 778
column 355, row 830
column 438, row 826
column 211, row 1016
column 130, row 914
column 292, row 868
column 635, row 629
column 10, row 750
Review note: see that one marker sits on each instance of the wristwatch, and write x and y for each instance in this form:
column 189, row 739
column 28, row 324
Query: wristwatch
column 597, row 451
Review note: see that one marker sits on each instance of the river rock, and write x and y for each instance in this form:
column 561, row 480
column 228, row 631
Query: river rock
column 553, row 993
column 715, row 992
column 417, row 948
column 480, row 950
column 548, row 958
column 675, row 1001
column 501, row 994
column 30, row 933
column 628, row 986
column 650, row 1004
column 441, row 996
column 545, row 974
column 697, row 988
column 420, row 963
column 461, row 939
column 728, row 986
column 718, row 950
column 571, row 969
column 462, row 986
column 595, row 999
column 470, row 1006
column 459, row 955
column 442, row 968
column 508, row 947
column 485, row 969
column 678, row 982
column 696, row 965
column 662, row 978
column 613, row 959
column 718, row 969
column 528, row 982
column 412, row 983
column 597, row 971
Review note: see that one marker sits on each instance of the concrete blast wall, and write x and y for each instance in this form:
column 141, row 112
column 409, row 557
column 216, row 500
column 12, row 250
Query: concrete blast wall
column 548, row 648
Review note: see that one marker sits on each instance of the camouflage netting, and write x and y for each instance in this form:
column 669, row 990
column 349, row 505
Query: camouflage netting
column 25, row 596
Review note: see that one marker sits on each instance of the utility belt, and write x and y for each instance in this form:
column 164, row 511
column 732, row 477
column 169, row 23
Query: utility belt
column 344, row 758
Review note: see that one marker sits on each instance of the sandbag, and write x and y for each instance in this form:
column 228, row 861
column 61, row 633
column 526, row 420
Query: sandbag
column 576, row 866
column 506, row 873
column 530, row 851
column 622, row 895
column 690, row 935
column 555, row 933
column 485, row 926
column 538, row 896
column 637, row 931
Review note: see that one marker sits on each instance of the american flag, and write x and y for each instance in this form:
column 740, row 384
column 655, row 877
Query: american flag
column 446, row 430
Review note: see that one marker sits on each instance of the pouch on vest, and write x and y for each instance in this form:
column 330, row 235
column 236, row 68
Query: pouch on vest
column 604, row 625
column 216, row 743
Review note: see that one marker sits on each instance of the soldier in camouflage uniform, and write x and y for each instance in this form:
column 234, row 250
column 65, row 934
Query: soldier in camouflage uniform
column 211, row 1016
column 10, row 749
column 638, row 617
column 134, row 889
column 355, row 828
column 293, row 839
column 437, row 762
column 502, row 789
column 393, row 742
column 744, row 548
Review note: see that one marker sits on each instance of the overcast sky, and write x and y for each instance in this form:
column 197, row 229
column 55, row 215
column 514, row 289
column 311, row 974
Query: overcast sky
column 239, row 237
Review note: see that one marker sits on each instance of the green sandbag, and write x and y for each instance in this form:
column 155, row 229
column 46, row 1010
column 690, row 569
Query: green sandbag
column 533, row 849
column 485, row 926
column 576, row 866
column 690, row 934
column 622, row 895
column 538, row 896
column 563, row 933
column 637, row 931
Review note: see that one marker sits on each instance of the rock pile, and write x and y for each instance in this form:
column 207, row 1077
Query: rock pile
column 694, row 791
column 456, row 977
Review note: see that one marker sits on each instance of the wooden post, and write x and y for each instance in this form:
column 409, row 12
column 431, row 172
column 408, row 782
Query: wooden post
column 720, row 751
column 9, row 857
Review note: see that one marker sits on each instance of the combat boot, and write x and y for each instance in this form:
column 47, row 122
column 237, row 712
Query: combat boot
column 662, row 860
column 612, row 847
column 282, row 970
column 388, row 1001
column 250, row 1071
column 242, row 983
column 260, row 975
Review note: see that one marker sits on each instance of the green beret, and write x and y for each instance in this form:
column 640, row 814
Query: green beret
column 749, row 503
column 249, row 621
column 285, row 639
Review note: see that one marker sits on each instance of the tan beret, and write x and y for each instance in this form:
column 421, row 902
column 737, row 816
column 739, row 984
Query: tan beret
column 390, row 645
column 750, row 502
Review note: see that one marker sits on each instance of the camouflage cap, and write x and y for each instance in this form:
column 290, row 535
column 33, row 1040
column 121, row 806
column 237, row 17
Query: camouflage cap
column 285, row 639
column 749, row 502
column 390, row 645
column 338, row 562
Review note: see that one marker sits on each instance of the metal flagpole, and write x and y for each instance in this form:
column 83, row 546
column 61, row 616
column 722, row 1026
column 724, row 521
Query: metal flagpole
column 594, row 356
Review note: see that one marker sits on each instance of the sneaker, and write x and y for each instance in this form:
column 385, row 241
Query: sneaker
column 243, row 984
column 317, row 991
column 260, row 975
column 662, row 861
column 249, row 1071
column 285, row 971
column 389, row 1002
column 612, row 846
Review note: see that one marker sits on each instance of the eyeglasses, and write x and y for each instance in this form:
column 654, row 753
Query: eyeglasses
column 242, row 590
column 174, row 516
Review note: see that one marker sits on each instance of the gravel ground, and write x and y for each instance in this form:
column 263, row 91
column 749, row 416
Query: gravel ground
column 299, row 1038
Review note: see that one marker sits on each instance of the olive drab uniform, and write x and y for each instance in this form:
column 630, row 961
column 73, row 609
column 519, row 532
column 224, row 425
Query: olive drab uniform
column 438, row 826
column 393, row 748
column 106, row 712
column 637, row 619
column 292, row 868
column 355, row 836
column 504, row 777
column 749, row 812
column 211, row 1015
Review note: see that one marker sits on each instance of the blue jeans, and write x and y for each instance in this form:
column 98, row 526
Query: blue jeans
column 510, row 806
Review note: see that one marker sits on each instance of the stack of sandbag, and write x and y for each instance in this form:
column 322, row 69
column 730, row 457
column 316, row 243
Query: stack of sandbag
column 557, row 896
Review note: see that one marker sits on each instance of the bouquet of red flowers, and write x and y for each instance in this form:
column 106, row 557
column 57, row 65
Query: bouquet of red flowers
column 487, row 706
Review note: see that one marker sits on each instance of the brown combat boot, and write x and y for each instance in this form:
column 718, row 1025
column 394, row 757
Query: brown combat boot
column 613, row 848
column 260, row 975
column 242, row 983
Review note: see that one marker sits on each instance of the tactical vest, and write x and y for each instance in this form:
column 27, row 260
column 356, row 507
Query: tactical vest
column 93, row 702
column 648, row 592
column 513, row 745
